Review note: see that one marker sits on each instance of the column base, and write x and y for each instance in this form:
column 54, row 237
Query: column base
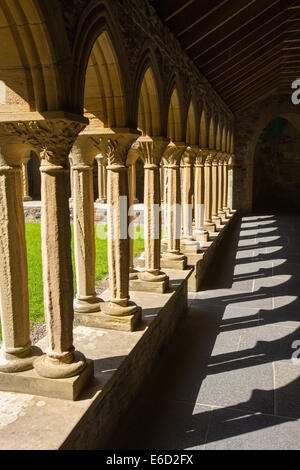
column 112, row 316
column 133, row 274
column 141, row 260
column 222, row 214
column 201, row 235
column 19, row 364
column 210, row 227
column 51, row 368
column 216, row 220
column 172, row 261
column 87, row 305
column 32, row 383
column 101, row 200
column 189, row 246
column 148, row 282
column 27, row 198
column 226, row 210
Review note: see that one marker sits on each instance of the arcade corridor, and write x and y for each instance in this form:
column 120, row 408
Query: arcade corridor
column 227, row 381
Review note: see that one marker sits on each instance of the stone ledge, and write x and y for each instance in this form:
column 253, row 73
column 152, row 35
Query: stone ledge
column 30, row 382
column 122, row 363
column 202, row 261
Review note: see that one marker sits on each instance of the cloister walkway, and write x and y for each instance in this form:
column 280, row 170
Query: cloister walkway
column 227, row 380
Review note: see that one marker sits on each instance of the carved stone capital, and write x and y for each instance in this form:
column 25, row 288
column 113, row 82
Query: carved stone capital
column 116, row 147
column 85, row 149
column 173, row 154
column 201, row 157
column 152, row 150
column 231, row 160
column 210, row 156
column 188, row 157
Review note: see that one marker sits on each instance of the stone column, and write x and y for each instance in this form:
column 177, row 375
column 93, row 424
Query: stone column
column 116, row 147
column 215, row 186
column 102, row 179
column 225, row 185
column 132, row 179
column 173, row 258
column 17, row 354
column 162, row 183
column 230, row 182
column 83, row 154
column 25, row 161
column 164, row 242
column 71, row 178
column 56, row 138
column 200, row 233
column 221, row 212
column 152, row 279
column 208, row 223
column 188, row 243
column 133, row 154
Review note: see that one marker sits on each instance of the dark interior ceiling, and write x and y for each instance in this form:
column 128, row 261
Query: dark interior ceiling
column 247, row 49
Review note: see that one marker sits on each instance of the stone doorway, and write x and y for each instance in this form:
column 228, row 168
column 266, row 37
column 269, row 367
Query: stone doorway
column 276, row 182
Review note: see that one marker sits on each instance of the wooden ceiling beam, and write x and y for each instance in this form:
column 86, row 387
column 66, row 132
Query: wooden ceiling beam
column 213, row 22
column 245, row 59
column 228, row 38
column 252, row 75
column 194, row 14
column 247, row 84
column 245, row 70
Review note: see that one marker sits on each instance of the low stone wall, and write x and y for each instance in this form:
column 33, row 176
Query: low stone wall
column 201, row 262
column 123, row 362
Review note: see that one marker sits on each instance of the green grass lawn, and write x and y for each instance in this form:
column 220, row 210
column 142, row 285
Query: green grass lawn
column 33, row 241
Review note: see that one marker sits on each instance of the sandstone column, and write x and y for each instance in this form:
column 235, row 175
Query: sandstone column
column 230, row 182
column 187, row 187
column 200, row 233
column 225, row 185
column 25, row 161
column 164, row 242
column 221, row 212
column 56, row 138
column 208, row 223
column 83, row 154
column 215, row 187
column 71, row 178
column 152, row 278
column 17, row 354
column 102, row 179
column 173, row 258
column 133, row 154
column 116, row 148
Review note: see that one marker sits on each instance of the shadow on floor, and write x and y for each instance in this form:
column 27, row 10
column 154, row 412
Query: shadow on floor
column 227, row 379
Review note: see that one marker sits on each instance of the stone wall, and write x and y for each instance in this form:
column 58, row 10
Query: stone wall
column 250, row 123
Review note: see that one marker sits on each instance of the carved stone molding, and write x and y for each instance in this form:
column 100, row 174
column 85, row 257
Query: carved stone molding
column 172, row 155
column 152, row 150
column 116, row 148
column 188, row 157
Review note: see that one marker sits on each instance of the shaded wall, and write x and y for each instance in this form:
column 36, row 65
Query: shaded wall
column 276, row 181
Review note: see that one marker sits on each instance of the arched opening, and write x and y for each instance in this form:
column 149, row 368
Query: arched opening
column 203, row 131
column 148, row 106
column 34, row 176
column 191, row 135
column 104, row 100
column 276, row 175
column 212, row 134
column 174, row 118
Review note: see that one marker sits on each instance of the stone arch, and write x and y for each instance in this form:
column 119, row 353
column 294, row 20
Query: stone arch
column 224, row 138
column 243, row 143
column 148, row 120
column 175, row 118
column 103, row 92
column 203, row 130
column 212, row 133
column 219, row 137
column 100, row 66
column 192, row 136
column 34, row 34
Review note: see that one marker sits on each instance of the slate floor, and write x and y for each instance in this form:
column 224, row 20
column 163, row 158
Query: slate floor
column 228, row 379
